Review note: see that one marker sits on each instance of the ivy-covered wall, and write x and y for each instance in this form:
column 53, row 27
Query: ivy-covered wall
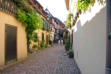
column 29, row 17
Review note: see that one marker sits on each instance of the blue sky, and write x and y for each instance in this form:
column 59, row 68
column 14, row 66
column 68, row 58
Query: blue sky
column 56, row 7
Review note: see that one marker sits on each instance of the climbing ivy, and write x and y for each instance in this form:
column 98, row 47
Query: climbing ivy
column 29, row 18
column 85, row 4
column 31, row 22
column 21, row 5
column 68, row 22
column 35, row 37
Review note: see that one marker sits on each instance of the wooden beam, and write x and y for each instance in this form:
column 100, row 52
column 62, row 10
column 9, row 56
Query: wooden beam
column 67, row 4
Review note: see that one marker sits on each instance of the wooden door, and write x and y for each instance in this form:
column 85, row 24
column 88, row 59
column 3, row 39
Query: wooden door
column 10, row 43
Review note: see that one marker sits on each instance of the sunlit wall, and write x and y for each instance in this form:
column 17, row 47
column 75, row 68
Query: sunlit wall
column 89, row 40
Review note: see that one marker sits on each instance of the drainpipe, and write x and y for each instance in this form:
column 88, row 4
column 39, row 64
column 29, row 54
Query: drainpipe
column 108, row 50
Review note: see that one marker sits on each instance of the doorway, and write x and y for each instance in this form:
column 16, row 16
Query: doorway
column 47, row 39
column 10, row 43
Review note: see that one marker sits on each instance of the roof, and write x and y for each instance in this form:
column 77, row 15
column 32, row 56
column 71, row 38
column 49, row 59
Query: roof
column 59, row 22
column 36, row 2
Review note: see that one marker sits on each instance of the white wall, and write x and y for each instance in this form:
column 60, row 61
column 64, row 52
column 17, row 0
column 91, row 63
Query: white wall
column 89, row 43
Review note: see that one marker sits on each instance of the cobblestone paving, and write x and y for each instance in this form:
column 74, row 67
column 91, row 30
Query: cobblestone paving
column 48, row 61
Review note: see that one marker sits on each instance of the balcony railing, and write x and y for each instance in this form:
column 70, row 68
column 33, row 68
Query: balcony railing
column 31, row 1
column 8, row 6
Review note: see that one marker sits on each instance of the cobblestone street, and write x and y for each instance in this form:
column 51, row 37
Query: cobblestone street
column 48, row 61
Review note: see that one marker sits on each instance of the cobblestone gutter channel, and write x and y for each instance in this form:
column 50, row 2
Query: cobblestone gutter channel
column 48, row 61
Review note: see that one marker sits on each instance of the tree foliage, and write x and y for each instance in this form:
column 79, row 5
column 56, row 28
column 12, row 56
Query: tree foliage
column 85, row 4
column 68, row 22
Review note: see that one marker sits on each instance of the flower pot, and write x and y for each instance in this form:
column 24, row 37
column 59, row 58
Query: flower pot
column 67, row 49
column 71, row 55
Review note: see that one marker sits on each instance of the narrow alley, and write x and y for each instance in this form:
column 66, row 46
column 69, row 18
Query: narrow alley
column 52, row 60
column 55, row 36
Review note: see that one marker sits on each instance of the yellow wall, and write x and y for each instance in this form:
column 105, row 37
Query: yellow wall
column 21, row 37
column 39, row 32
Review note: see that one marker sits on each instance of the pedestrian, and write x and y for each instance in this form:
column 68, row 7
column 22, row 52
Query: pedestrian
column 61, row 40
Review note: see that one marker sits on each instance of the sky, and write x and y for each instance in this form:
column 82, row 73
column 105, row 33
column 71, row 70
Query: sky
column 56, row 7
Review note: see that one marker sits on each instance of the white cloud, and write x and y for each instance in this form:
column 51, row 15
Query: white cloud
column 56, row 7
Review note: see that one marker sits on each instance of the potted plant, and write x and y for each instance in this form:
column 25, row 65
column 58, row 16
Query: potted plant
column 71, row 53
column 35, row 46
column 67, row 44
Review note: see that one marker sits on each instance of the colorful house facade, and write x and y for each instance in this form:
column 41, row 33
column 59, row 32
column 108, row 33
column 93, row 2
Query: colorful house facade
column 44, row 34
